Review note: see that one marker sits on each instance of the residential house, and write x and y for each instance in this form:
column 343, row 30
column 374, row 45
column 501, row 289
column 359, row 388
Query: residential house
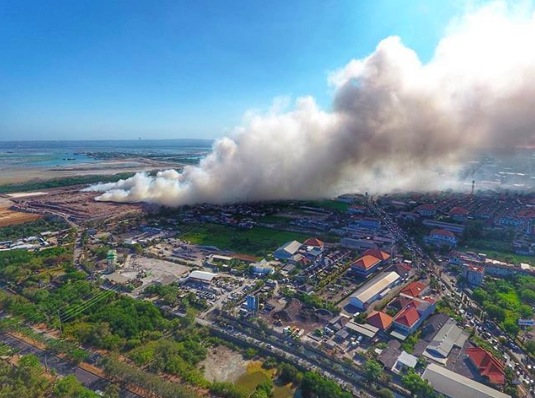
column 473, row 274
column 409, row 319
column 426, row 210
column 381, row 320
column 488, row 366
column 415, row 289
column 459, row 214
column 441, row 237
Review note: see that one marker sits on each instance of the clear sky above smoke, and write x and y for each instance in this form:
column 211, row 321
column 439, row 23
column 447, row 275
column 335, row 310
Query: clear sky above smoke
column 396, row 122
column 184, row 69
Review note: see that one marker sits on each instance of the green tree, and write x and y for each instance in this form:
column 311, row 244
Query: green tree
column 288, row 373
column 373, row 370
column 530, row 346
column 495, row 312
column 417, row 386
column 69, row 386
column 511, row 327
column 385, row 393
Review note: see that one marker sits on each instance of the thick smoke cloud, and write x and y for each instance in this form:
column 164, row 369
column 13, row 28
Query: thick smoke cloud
column 395, row 123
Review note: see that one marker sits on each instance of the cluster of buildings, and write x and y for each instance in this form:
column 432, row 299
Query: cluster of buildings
column 476, row 266
column 455, row 367
column 45, row 239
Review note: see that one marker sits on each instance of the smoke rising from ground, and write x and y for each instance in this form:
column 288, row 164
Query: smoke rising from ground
column 395, row 123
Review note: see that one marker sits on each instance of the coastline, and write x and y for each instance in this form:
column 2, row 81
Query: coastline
column 108, row 167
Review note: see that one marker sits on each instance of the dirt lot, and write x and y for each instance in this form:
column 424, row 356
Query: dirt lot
column 223, row 364
column 79, row 206
column 10, row 217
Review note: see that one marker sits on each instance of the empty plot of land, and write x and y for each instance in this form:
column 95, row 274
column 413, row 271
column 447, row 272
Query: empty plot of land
column 153, row 271
column 10, row 217
column 223, row 364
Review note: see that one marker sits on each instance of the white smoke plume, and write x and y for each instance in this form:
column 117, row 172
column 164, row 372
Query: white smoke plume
column 395, row 124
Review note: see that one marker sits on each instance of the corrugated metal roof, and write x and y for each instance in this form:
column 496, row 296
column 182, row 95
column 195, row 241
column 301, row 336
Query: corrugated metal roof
column 375, row 286
column 455, row 385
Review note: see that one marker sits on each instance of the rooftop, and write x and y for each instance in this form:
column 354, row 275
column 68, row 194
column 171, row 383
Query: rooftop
column 381, row 255
column 447, row 337
column 408, row 317
column 487, row 365
column 455, row 385
column 375, row 286
column 314, row 242
column 414, row 289
column 202, row 275
column 364, row 329
column 442, row 232
column 380, row 320
column 366, row 262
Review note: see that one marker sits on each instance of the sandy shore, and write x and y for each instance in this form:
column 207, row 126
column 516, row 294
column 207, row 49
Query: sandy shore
column 15, row 176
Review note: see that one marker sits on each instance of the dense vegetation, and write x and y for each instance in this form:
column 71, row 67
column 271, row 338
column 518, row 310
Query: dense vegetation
column 33, row 228
column 29, row 380
column 507, row 300
column 314, row 385
column 62, row 182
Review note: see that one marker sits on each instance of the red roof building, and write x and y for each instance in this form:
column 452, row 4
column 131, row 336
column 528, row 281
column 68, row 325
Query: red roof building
column 487, row 365
column 408, row 317
column 314, row 242
column 415, row 289
column 380, row 320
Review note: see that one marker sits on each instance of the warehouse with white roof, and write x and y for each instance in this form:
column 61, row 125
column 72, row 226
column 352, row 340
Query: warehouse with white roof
column 374, row 290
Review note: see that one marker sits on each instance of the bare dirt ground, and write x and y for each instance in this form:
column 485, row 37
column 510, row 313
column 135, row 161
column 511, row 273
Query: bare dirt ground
column 223, row 364
column 10, row 217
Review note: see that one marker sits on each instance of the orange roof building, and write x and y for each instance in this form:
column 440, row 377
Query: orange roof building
column 415, row 289
column 369, row 262
column 487, row 365
column 380, row 320
column 365, row 265
column 314, row 242
column 377, row 254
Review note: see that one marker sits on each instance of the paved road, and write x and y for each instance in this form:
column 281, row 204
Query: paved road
column 62, row 367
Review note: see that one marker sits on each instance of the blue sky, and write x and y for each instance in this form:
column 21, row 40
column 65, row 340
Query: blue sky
column 184, row 69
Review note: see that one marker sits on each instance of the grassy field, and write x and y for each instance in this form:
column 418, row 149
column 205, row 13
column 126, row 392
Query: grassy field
column 256, row 375
column 501, row 255
column 257, row 241
column 330, row 205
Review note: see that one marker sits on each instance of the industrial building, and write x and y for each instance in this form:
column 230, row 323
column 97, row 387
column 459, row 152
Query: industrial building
column 374, row 290
column 449, row 336
column 287, row 250
column 201, row 277
column 454, row 385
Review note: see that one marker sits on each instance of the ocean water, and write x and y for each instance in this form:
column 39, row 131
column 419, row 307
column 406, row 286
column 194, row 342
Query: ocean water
column 44, row 154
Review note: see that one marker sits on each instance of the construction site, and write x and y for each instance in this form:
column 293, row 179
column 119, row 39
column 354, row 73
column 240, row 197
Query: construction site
column 69, row 203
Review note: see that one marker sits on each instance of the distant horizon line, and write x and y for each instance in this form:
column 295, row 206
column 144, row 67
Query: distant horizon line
column 113, row 139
